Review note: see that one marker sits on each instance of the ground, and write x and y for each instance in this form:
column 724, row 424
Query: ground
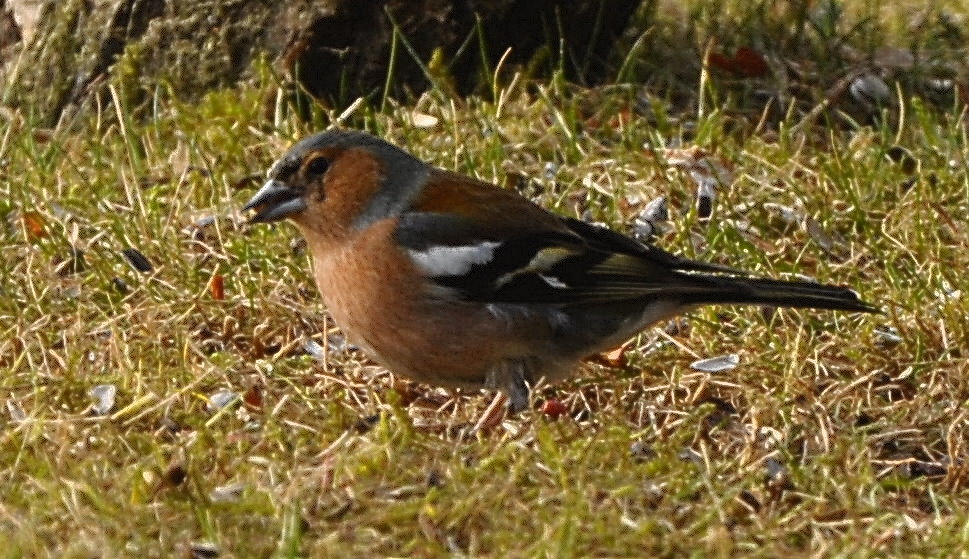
column 173, row 385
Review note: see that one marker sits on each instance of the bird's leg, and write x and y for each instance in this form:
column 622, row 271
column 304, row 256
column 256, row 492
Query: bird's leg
column 512, row 377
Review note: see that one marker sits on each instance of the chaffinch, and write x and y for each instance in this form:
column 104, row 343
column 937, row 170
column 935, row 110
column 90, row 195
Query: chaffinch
column 452, row 281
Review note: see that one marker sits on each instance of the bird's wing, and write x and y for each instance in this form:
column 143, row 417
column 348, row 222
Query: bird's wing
column 586, row 264
column 490, row 245
column 487, row 244
column 483, row 264
column 571, row 263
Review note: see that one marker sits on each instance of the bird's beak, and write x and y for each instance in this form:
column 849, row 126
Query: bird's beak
column 275, row 201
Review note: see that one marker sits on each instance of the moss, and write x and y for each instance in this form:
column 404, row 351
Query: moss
column 191, row 47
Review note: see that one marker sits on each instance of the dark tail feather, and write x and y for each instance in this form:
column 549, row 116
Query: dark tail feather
column 801, row 294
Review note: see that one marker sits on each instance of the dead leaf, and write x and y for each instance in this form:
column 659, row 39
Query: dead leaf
column 252, row 397
column 750, row 63
column 217, row 287
column 492, row 415
column 746, row 62
column 43, row 135
column 34, row 224
column 615, row 358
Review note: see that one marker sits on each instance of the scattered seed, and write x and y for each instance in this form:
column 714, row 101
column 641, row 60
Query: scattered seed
column 297, row 246
column 817, row 234
column 73, row 264
column 948, row 292
column 913, row 469
column 314, row 349
column 220, row 399
column 120, row 285
column 423, row 120
column 706, row 194
column 137, row 260
column 198, row 229
column 678, row 326
column 339, row 344
column 656, row 211
column 227, row 493
column 174, row 475
column 204, row 550
column 406, row 492
column 870, row 90
column 16, row 412
column 786, row 213
column 690, row 455
column 365, row 424
column 904, row 158
column 434, row 479
column 204, row 221
column 776, row 471
column 941, row 85
column 104, row 394
column 641, row 451
column 887, row 336
column 717, row 364
column 551, row 169
column 648, row 222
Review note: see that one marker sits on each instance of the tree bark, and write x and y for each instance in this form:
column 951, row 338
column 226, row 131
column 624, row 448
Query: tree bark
column 335, row 50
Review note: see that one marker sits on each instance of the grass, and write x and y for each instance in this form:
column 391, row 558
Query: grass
column 830, row 438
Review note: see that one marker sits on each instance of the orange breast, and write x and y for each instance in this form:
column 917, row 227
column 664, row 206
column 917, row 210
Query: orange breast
column 370, row 289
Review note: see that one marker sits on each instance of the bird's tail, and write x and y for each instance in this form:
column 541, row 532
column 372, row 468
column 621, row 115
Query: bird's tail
column 726, row 290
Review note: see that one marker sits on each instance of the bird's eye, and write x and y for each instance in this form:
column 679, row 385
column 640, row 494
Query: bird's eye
column 317, row 166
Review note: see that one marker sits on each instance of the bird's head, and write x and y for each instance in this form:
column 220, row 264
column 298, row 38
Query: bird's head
column 337, row 182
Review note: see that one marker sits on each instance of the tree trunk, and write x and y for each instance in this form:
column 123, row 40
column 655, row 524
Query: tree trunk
column 335, row 50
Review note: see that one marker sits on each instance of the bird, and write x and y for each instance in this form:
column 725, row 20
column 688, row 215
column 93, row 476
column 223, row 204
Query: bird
column 455, row 282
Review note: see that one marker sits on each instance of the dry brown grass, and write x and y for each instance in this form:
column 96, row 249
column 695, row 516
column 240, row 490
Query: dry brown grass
column 830, row 438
